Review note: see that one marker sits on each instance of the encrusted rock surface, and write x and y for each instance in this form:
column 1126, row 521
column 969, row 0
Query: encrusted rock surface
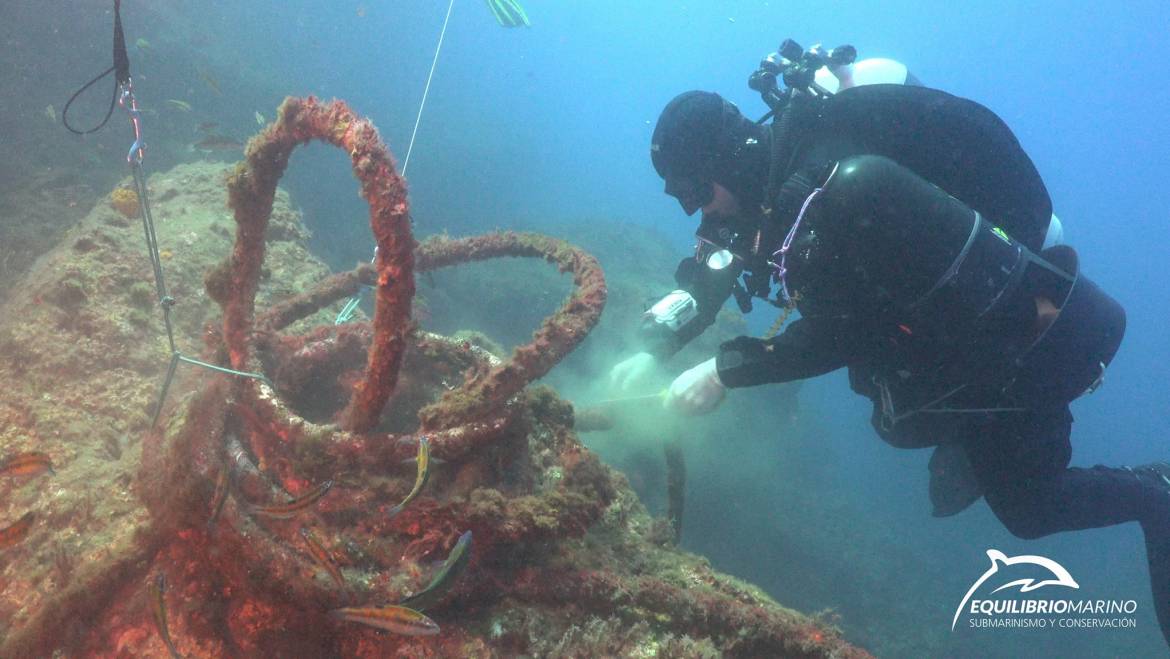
column 566, row 561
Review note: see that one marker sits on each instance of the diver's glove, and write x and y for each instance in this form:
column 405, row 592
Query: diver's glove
column 696, row 391
column 631, row 372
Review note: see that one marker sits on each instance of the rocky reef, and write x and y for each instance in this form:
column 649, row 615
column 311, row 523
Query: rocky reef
column 268, row 506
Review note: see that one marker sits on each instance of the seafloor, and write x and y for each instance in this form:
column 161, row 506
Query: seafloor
column 566, row 561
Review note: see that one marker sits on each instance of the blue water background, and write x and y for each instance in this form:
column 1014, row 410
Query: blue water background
column 540, row 126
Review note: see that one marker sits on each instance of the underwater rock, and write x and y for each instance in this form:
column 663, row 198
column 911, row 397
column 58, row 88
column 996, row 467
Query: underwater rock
column 563, row 556
column 82, row 356
column 125, row 201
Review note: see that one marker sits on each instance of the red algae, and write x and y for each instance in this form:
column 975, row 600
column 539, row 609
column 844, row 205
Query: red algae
column 561, row 543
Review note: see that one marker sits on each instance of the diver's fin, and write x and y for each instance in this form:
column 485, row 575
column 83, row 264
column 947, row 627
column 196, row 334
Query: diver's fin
column 953, row 487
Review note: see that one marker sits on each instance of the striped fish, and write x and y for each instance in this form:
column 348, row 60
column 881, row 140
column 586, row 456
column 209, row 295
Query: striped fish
column 393, row 618
column 158, row 607
column 16, row 533
column 220, row 496
column 420, row 479
column 323, row 557
column 444, row 578
column 292, row 508
column 26, row 464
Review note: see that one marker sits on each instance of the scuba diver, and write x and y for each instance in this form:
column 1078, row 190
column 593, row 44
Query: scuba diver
column 692, row 307
column 914, row 236
column 677, row 308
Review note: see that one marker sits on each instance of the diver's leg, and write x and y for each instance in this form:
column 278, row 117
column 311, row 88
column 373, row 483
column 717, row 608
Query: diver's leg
column 1022, row 463
column 1021, row 460
column 953, row 486
column 1158, row 558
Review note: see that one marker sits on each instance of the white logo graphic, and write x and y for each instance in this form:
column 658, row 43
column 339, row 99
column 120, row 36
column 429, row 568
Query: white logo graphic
column 1061, row 577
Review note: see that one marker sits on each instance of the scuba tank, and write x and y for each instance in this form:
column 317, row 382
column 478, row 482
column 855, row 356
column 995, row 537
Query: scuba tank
column 953, row 313
column 869, row 71
column 955, row 306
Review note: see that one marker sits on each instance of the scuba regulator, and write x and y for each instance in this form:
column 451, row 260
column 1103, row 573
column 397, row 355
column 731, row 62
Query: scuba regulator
column 797, row 68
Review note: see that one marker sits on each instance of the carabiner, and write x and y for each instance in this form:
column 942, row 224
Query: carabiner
column 126, row 100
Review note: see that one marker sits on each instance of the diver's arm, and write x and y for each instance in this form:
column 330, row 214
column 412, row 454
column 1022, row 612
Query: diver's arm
column 676, row 319
column 805, row 349
column 672, row 323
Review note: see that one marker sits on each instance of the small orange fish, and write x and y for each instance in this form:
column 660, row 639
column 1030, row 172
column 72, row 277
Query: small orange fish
column 290, row 509
column 323, row 558
column 393, row 618
column 17, row 532
column 27, row 464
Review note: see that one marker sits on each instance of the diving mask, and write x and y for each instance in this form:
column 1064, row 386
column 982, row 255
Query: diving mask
column 692, row 194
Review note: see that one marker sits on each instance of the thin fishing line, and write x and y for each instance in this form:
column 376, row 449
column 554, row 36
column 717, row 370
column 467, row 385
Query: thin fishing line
column 351, row 305
column 427, row 89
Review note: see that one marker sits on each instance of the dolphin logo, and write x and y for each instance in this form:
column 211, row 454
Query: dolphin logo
column 1061, row 577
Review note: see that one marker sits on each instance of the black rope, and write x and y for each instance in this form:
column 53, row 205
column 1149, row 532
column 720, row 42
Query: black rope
column 121, row 59
column 120, row 69
column 123, row 89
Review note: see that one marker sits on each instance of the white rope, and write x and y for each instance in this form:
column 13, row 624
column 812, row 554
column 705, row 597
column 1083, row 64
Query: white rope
column 430, row 76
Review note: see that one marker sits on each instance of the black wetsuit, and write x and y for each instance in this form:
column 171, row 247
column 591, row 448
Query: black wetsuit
column 956, row 144
column 1019, row 457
